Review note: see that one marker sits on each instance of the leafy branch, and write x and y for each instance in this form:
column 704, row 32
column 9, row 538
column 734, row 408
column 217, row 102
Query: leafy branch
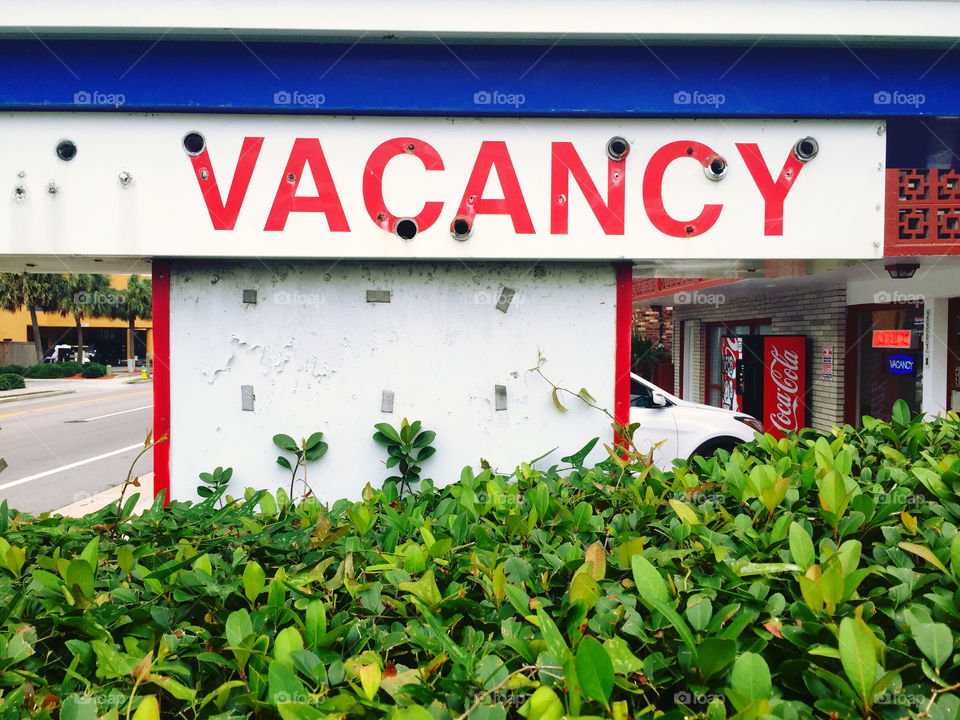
column 123, row 512
column 309, row 449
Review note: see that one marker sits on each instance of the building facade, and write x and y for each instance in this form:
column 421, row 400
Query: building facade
column 108, row 337
column 875, row 332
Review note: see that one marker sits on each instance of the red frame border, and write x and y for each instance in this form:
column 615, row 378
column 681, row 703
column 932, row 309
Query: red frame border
column 621, row 383
column 161, row 377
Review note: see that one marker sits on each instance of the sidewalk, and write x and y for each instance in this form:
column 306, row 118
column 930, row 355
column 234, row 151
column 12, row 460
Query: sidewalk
column 38, row 388
column 104, row 498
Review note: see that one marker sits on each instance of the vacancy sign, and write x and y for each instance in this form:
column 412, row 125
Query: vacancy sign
column 99, row 184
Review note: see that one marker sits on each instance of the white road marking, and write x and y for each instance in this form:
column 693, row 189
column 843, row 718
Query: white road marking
column 119, row 412
column 29, row 478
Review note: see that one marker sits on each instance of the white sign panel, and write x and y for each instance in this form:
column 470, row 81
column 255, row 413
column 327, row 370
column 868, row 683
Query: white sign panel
column 431, row 188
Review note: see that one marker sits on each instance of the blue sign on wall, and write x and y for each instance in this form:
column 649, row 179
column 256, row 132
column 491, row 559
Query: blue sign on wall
column 901, row 364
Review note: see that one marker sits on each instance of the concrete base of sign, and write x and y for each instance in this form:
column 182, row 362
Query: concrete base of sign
column 320, row 355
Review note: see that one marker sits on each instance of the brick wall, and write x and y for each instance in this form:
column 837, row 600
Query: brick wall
column 647, row 322
column 819, row 313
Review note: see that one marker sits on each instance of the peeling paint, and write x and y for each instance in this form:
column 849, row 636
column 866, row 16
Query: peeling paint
column 210, row 374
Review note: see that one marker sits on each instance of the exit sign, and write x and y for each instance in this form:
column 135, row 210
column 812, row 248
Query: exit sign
column 892, row 338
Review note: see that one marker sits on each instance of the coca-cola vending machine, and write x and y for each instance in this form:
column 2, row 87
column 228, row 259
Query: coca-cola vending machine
column 772, row 381
column 730, row 353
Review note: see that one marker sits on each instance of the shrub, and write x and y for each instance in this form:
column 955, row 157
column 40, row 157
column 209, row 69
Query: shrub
column 11, row 381
column 47, row 370
column 93, row 370
column 15, row 369
column 800, row 578
column 70, row 368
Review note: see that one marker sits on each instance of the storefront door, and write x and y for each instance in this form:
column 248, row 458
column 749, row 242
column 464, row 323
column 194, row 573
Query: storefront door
column 885, row 353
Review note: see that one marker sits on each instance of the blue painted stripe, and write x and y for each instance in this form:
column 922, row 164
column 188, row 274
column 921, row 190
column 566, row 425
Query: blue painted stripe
column 447, row 80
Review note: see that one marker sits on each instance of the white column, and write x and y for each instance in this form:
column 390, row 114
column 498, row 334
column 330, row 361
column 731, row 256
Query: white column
column 935, row 339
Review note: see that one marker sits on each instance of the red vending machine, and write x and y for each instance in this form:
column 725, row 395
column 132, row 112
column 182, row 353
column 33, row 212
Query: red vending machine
column 772, row 381
column 730, row 355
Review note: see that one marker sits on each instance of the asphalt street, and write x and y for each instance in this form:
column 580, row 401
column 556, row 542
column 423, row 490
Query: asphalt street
column 62, row 449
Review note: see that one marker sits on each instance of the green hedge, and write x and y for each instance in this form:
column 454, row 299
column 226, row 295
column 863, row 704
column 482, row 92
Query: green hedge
column 15, row 369
column 71, row 368
column 93, row 370
column 802, row 578
column 11, row 381
column 47, row 370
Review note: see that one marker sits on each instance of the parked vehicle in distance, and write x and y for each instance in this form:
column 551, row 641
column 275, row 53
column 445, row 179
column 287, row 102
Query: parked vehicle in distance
column 685, row 428
column 63, row 353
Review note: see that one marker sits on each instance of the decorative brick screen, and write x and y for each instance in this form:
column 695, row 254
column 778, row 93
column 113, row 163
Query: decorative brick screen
column 922, row 212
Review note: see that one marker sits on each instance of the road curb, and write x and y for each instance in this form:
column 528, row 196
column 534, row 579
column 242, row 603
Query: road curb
column 102, row 499
column 35, row 395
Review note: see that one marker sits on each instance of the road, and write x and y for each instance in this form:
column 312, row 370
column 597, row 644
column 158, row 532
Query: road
column 62, row 449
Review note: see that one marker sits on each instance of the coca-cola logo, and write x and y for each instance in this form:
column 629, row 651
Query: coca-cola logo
column 784, row 372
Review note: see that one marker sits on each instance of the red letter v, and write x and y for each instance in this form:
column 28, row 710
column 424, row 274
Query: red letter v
column 224, row 216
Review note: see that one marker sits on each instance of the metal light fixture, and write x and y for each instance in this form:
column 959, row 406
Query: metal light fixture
column 901, row 271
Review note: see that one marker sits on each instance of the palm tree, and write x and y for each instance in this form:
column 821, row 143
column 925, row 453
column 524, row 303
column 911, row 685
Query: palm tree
column 36, row 292
column 85, row 296
column 137, row 302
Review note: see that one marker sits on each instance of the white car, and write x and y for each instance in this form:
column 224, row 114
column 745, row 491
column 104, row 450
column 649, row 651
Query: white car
column 686, row 428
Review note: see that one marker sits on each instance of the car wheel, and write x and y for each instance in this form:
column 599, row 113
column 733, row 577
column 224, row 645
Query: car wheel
column 708, row 448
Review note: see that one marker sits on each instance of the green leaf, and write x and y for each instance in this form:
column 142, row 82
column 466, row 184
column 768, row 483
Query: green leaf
column 823, row 454
column 542, row 705
column 858, row 655
column 313, row 441
column 148, row 709
column 299, row 711
column 556, row 401
column 110, row 662
column 254, row 579
column 578, row 457
column 285, row 442
column 653, row 592
column 715, row 654
column 699, row 612
column 686, row 513
column 935, row 640
column 176, row 689
column 287, row 641
column 315, row 623
column 76, row 707
column 594, row 670
column 751, row 677
column 283, row 462
column 388, row 432
column 801, row 546
column 624, row 661
column 933, row 483
column 650, row 583
column 316, row 452
column 584, row 589
column 955, row 554
column 924, row 552
column 268, row 506
column 901, row 413
column 283, row 686
column 80, row 574
column 411, row 712
column 551, row 635
column 517, row 597
column 424, row 438
column 237, row 627
column 425, row 588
